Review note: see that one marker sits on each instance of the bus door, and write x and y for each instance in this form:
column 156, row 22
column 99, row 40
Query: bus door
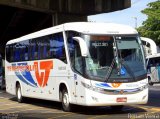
column 157, row 67
column 158, row 72
column 77, row 67
column 154, row 69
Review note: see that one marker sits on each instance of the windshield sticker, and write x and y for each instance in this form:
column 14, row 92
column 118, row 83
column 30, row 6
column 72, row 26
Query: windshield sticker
column 100, row 44
column 123, row 71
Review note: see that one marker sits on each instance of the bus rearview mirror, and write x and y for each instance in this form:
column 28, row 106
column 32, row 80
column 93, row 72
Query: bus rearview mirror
column 83, row 46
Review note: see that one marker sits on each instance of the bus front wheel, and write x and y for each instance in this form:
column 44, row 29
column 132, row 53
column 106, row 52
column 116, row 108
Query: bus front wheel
column 19, row 94
column 65, row 101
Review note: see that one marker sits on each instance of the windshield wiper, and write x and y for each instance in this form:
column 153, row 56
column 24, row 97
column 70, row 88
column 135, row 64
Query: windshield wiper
column 115, row 51
column 115, row 60
column 110, row 70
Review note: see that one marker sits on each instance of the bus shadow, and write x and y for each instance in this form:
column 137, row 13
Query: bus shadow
column 107, row 110
column 40, row 103
column 82, row 109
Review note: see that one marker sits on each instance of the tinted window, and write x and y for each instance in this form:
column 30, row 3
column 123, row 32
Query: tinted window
column 74, row 52
column 46, row 47
column 154, row 61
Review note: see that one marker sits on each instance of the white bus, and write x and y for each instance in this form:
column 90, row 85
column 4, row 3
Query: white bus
column 149, row 45
column 82, row 63
column 153, row 68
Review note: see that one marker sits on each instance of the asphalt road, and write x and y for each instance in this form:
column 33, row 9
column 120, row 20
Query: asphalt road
column 40, row 109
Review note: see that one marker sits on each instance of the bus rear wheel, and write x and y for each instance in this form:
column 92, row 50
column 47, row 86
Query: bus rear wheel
column 19, row 94
column 66, row 106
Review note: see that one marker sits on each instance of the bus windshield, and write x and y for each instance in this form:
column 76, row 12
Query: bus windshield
column 110, row 58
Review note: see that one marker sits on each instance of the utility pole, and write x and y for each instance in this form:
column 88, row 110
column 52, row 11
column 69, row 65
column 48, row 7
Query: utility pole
column 135, row 21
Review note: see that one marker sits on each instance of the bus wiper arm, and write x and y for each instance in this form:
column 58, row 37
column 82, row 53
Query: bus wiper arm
column 110, row 70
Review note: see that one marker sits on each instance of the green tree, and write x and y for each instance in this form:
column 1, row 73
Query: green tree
column 151, row 27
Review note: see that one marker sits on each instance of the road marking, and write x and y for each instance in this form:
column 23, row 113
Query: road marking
column 53, row 111
column 2, row 101
column 23, row 110
column 149, row 108
column 9, row 103
column 155, row 109
column 32, row 108
column 8, row 108
column 5, row 99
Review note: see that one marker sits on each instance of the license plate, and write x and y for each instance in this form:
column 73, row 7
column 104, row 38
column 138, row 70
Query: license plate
column 123, row 99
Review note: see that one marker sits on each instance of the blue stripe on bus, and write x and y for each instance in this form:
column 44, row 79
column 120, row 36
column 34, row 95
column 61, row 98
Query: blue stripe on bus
column 104, row 85
column 26, row 74
column 28, row 77
column 22, row 79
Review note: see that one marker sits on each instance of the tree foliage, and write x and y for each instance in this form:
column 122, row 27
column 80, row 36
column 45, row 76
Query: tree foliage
column 151, row 27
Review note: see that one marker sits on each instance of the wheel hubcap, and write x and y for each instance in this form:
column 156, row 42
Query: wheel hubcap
column 65, row 99
column 19, row 93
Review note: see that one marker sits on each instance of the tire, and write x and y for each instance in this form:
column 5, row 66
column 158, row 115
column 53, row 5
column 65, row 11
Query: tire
column 19, row 94
column 66, row 106
column 150, row 82
column 117, row 108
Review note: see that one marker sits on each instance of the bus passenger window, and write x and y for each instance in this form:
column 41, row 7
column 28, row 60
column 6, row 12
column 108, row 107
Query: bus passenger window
column 8, row 53
column 11, row 49
column 22, row 52
column 26, row 53
column 57, row 48
column 44, row 51
column 16, row 52
column 34, row 53
column 40, row 49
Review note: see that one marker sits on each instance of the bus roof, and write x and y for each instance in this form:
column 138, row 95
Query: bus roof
column 83, row 27
column 100, row 28
column 154, row 55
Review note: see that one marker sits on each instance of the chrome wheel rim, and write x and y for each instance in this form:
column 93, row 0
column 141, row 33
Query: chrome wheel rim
column 66, row 99
column 19, row 93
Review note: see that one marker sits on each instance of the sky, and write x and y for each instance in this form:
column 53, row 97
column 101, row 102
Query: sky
column 131, row 16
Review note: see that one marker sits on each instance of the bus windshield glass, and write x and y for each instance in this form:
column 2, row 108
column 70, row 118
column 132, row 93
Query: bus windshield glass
column 110, row 58
column 114, row 59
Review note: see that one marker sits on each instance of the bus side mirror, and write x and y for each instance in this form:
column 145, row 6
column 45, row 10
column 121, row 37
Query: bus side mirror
column 83, row 46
